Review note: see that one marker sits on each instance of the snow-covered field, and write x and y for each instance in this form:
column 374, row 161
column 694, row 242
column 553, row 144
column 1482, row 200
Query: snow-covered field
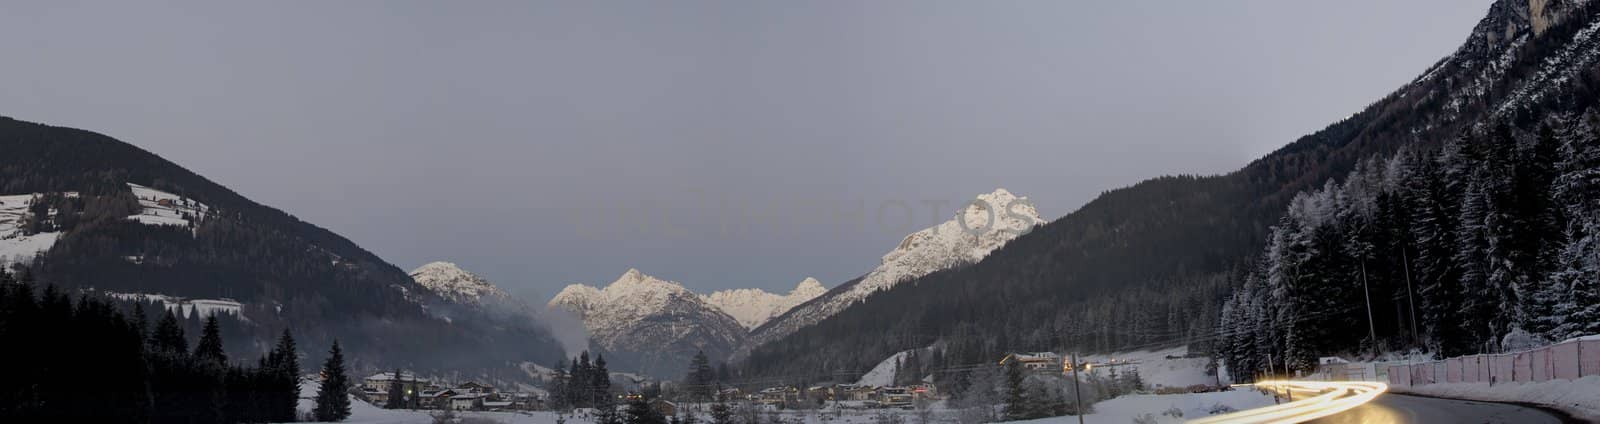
column 159, row 208
column 1164, row 368
column 1580, row 397
column 1167, row 408
column 15, row 247
column 163, row 208
column 185, row 307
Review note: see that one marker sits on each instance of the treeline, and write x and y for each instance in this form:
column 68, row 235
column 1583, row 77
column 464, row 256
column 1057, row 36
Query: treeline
column 582, row 384
column 91, row 360
column 1486, row 244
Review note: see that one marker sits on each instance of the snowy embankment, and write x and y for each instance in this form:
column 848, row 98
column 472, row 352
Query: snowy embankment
column 1166, row 408
column 1580, row 397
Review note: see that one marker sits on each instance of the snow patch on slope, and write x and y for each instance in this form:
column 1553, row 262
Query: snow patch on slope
column 882, row 374
column 163, row 208
column 186, row 307
column 15, row 246
column 753, row 307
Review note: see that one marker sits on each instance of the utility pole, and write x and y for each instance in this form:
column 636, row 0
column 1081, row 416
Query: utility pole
column 1405, row 262
column 1372, row 329
column 1077, row 395
column 1290, row 374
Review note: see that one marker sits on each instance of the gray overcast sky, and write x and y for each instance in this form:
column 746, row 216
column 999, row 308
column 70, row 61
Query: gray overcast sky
column 509, row 136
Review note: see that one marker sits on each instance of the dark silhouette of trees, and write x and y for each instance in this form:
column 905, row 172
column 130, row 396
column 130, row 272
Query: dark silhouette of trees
column 87, row 360
column 333, row 398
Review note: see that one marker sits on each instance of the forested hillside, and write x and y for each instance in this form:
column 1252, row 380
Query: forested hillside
column 287, row 273
column 1484, row 245
column 1151, row 264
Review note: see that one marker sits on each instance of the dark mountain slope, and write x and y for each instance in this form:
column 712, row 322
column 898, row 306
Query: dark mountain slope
column 1147, row 265
column 286, row 272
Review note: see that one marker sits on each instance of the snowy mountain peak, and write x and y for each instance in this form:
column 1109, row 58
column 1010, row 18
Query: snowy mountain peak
column 642, row 313
column 753, row 307
column 455, row 284
column 808, row 288
column 989, row 221
column 632, row 276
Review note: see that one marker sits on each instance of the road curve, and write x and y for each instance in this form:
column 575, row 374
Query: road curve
column 1396, row 408
column 1313, row 400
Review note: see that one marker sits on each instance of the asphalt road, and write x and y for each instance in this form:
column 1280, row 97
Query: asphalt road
column 1396, row 408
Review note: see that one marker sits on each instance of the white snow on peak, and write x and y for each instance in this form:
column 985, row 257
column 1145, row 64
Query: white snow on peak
column 455, row 284
column 984, row 224
column 965, row 238
column 753, row 307
column 632, row 295
column 642, row 313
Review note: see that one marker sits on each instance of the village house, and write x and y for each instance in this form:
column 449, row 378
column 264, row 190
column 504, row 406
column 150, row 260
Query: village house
column 408, row 381
column 820, row 392
column 895, row 397
column 853, row 392
column 467, row 401
column 436, row 399
column 474, row 387
column 375, row 388
column 1036, row 361
column 778, row 395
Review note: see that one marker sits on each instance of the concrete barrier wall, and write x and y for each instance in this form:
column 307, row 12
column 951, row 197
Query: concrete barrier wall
column 1589, row 357
column 1570, row 360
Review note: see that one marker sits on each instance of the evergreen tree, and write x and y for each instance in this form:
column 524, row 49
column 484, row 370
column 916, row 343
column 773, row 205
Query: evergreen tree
column 397, row 393
column 1016, row 392
column 168, row 337
column 210, row 347
column 281, row 376
column 604, row 402
column 699, row 381
column 559, row 387
column 333, row 399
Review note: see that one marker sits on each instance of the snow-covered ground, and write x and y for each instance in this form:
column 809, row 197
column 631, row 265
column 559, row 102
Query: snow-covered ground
column 14, row 246
column 159, row 208
column 1167, row 408
column 1163, row 368
column 163, row 208
column 1580, row 397
column 186, row 307
column 883, row 373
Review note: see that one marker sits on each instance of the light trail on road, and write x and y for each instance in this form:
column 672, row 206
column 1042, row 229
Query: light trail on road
column 1334, row 397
